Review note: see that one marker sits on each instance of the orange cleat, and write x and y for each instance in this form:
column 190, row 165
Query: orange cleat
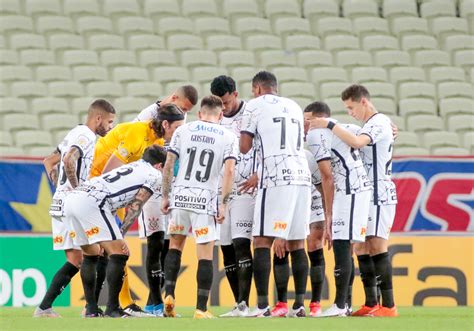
column 365, row 311
column 314, row 309
column 385, row 312
column 280, row 309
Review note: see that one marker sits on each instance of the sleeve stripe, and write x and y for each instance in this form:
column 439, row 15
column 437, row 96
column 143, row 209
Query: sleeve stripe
column 80, row 149
column 324, row 159
column 148, row 189
column 230, row 157
column 248, row 133
column 368, row 135
column 173, row 151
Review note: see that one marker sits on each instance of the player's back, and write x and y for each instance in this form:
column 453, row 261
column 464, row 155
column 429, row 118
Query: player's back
column 202, row 148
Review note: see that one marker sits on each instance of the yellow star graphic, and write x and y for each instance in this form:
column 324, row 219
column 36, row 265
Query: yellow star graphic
column 37, row 214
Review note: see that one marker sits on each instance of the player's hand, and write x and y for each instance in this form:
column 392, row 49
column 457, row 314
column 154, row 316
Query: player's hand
column 394, row 130
column 165, row 206
column 249, row 185
column 125, row 250
column 280, row 247
column 328, row 232
column 221, row 214
column 318, row 123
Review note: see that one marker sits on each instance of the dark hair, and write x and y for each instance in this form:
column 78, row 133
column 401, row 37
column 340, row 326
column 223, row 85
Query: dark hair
column 222, row 85
column 211, row 102
column 169, row 112
column 103, row 105
column 318, row 108
column 355, row 92
column 154, row 154
column 266, row 79
column 190, row 93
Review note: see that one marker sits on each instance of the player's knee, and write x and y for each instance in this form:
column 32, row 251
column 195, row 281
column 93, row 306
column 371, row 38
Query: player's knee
column 376, row 245
column 361, row 248
column 74, row 257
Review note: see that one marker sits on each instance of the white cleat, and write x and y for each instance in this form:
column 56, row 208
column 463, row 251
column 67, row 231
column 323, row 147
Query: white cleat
column 334, row 311
column 257, row 312
column 298, row 312
column 243, row 310
column 135, row 311
column 49, row 313
column 233, row 313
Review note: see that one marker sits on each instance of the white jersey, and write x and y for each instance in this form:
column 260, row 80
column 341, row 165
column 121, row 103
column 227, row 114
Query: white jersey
column 313, row 168
column 117, row 188
column 202, row 149
column 276, row 123
column 246, row 163
column 83, row 139
column 148, row 113
column 377, row 158
column 349, row 173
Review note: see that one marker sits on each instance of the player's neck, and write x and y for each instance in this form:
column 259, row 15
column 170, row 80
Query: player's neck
column 209, row 119
column 371, row 111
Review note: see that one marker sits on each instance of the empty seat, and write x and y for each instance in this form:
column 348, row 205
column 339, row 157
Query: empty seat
column 130, row 104
column 243, row 74
column 291, row 25
column 432, row 140
column 207, row 74
column 416, row 106
column 6, row 139
column 170, row 74
column 332, row 89
column 443, row 26
column 464, row 58
column 309, row 59
column 249, row 25
column 50, row 24
column 413, row 43
column 468, row 141
column 27, row 40
column 86, row 74
column 52, row 73
column 49, row 105
column 345, row 119
column 274, row 58
column 359, row 8
column 451, row 151
column 455, row 106
column 66, row 89
column 443, row 74
column 384, row 105
column 406, row 74
column 455, row 90
column 417, row 90
column 117, row 8
column 106, row 90
column 10, row 7
column 80, row 106
column 341, row 42
column 28, row 89
column 300, row 42
column 34, row 57
column 379, row 43
column 155, row 58
column 236, row 58
column 194, row 58
column 206, row 26
column 219, row 43
column 396, row 8
column 424, row 123
column 199, row 8
column 65, row 41
column 431, row 9
column 410, row 151
column 336, row 105
column 12, row 105
column 297, row 89
column 237, row 8
column 42, row 7
column 461, row 123
column 88, row 25
column 16, row 23
column 365, row 26
column 3, row 90
column 328, row 74
column 124, row 74
column 8, row 56
column 11, row 151
column 302, row 101
column 145, row 41
column 289, row 74
column 56, row 122
column 409, row 25
column 103, row 42
column 394, row 58
column 350, row 59
column 161, row 8
column 31, row 138
column 315, row 9
column 261, row 42
column 177, row 24
column 134, row 25
column 407, row 139
column 15, row 122
column 281, row 8
column 180, row 42
column 74, row 8
column 15, row 73
column 381, row 90
column 333, row 25
column 113, row 58
column 432, row 58
column 459, row 42
column 399, row 122
column 362, row 75
column 466, row 8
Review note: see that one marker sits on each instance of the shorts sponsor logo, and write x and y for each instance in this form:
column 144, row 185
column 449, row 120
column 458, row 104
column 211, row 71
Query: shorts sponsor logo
column 58, row 240
column 201, row 231
column 72, row 234
column 279, row 226
column 92, row 231
column 363, row 231
column 243, row 224
column 175, row 228
column 338, row 222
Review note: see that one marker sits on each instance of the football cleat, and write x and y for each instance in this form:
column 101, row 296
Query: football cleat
column 280, row 309
column 135, row 311
column 158, row 310
column 233, row 313
column 334, row 311
column 169, row 305
column 314, row 309
column 243, row 310
column 365, row 310
column 49, row 312
column 116, row 313
column 384, row 312
column 257, row 312
column 298, row 312
column 199, row 314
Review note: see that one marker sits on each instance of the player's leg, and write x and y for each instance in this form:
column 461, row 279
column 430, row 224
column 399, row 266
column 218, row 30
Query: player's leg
column 230, row 268
column 299, row 267
column 101, row 273
column 281, row 274
column 349, row 289
column 261, row 274
column 155, row 243
column 243, row 255
column 204, row 278
column 88, row 276
column 317, row 265
column 367, row 275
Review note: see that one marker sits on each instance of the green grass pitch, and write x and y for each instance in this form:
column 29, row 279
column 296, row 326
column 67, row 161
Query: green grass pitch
column 418, row 318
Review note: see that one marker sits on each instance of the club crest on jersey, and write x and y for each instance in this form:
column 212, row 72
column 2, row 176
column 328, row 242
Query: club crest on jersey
column 92, row 231
column 201, row 231
column 279, row 226
column 57, row 240
column 123, row 152
column 202, row 127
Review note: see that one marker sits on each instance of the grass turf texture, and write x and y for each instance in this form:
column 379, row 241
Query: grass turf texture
column 418, row 318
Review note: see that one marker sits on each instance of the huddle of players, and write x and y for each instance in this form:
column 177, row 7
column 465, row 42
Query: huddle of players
column 359, row 201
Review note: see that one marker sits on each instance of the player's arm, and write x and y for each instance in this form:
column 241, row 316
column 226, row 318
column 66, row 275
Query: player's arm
column 135, row 208
column 113, row 163
column 50, row 164
column 345, row 135
column 70, row 164
column 227, row 182
column 327, row 184
column 168, row 171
